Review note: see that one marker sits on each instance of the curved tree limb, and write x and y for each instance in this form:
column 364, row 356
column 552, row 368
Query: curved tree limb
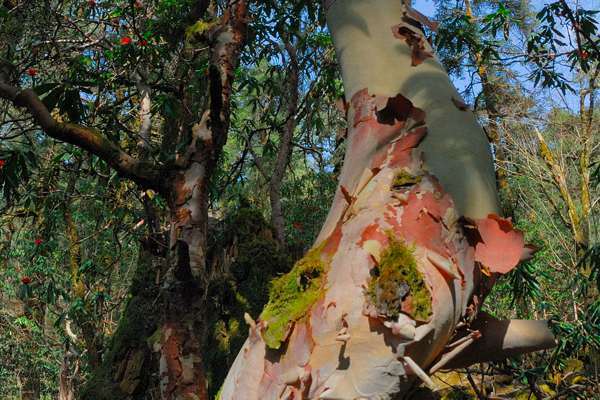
column 142, row 172
column 503, row 338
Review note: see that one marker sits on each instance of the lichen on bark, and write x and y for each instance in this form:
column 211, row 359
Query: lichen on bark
column 398, row 285
column 403, row 179
column 292, row 295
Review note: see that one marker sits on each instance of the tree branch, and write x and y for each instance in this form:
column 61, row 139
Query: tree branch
column 142, row 172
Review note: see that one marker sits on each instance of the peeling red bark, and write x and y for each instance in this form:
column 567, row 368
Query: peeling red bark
column 501, row 246
column 373, row 232
column 415, row 15
column 400, row 109
column 421, row 214
column 333, row 242
column 182, row 373
column 415, row 41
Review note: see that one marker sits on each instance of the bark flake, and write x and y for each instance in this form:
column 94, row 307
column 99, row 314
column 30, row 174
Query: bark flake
column 415, row 41
column 501, row 246
column 415, row 15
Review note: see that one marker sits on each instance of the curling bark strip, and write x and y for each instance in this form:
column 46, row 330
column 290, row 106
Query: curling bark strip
column 396, row 272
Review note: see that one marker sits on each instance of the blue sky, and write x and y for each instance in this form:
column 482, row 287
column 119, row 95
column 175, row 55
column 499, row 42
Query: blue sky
column 427, row 7
column 554, row 96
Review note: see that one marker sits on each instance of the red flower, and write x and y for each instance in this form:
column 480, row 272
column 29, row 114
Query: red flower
column 26, row 280
column 143, row 42
column 92, row 3
column 138, row 4
column 38, row 241
column 125, row 40
column 31, row 72
column 584, row 54
column 297, row 225
column 2, row 163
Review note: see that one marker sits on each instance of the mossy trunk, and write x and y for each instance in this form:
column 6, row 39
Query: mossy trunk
column 410, row 246
column 129, row 367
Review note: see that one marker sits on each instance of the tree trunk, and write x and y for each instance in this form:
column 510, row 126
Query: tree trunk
column 411, row 244
column 285, row 147
column 161, row 334
column 184, row 325
column 65, row 380
column 490, row 95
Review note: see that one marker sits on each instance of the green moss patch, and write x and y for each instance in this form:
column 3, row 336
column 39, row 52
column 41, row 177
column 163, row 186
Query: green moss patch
column 198, row 28
column 291, row 295
column 245, row 289
column 397, row 280
column 403, row 179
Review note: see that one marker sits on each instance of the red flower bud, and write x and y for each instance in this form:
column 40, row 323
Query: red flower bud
column 143, row 42
column 92, row 3
column 2, row 163
column 125, row 40
column 25, row 280
column 31, row 72
column 297, row 225
column 584, row 54
column 38, row 241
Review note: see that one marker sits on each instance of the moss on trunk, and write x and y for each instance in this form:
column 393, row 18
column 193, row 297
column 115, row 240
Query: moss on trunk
column 398, row 285
column 241, row 287
column 292, row 294
column 244, row 257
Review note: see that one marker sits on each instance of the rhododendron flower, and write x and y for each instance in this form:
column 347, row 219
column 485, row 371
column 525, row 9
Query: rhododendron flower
column 25, row 280
column 31, row 72
column 143, row 42
column 125, row 40
column 38, row 241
